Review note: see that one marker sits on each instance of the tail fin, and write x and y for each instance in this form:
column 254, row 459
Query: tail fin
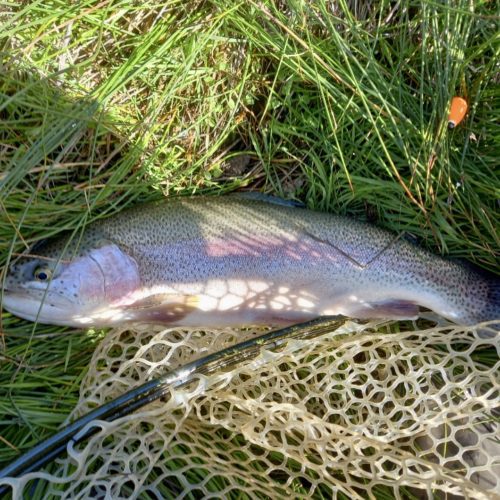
column 492, row 307
column 484, row 289
column 490, row 310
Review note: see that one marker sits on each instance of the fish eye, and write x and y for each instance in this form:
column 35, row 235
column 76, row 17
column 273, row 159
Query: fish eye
column 42, row 273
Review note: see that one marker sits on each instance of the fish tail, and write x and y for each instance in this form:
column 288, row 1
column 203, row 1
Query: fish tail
column 492, row 308
column 486, row 299
column 472, row 294
column 490, row 312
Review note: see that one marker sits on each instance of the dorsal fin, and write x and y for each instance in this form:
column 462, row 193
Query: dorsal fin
column 257, row 196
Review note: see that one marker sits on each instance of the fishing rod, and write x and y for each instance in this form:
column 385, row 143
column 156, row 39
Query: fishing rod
column 79, row 430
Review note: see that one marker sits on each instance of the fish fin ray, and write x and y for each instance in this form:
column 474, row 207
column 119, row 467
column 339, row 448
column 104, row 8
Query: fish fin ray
column 162, row 308
column 162, row 299
column 391, row 308
column 267, row 198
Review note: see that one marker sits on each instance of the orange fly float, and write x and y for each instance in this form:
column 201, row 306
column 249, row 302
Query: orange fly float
column 458, row 109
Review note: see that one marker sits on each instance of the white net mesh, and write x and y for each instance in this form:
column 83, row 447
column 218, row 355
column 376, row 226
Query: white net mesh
column 360, row 412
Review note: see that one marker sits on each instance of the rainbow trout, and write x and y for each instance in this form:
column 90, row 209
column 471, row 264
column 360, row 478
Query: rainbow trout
column 236, row 260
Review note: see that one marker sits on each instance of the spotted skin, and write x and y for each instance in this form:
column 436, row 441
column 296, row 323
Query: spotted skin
column 231, row 260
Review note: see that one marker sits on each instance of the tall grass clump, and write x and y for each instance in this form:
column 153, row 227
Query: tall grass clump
column 343, row 105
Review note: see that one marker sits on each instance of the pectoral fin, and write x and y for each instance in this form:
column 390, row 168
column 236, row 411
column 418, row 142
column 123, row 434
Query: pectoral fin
column 162, row 308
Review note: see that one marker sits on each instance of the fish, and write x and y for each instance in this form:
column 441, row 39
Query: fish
column 238, row 260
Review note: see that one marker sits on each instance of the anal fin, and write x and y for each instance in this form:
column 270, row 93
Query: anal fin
column 390, row 309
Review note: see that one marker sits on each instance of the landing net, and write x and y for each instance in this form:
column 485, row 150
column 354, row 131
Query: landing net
column 364, row 411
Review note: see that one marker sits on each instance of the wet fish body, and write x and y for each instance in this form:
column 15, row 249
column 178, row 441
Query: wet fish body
column 230, row 260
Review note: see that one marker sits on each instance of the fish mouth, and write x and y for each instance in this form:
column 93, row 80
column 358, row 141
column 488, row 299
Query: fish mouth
column 41, row 306
column 38, row 306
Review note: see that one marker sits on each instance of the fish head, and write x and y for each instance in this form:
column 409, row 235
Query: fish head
column 65, row 283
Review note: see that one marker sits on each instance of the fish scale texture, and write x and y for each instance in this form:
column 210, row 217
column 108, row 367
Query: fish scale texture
column 361, row 412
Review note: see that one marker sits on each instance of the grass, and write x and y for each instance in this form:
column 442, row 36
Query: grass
column 342, row 104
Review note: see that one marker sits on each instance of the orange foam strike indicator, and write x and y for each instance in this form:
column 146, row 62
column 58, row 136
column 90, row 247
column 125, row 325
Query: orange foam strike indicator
column 458, row 109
